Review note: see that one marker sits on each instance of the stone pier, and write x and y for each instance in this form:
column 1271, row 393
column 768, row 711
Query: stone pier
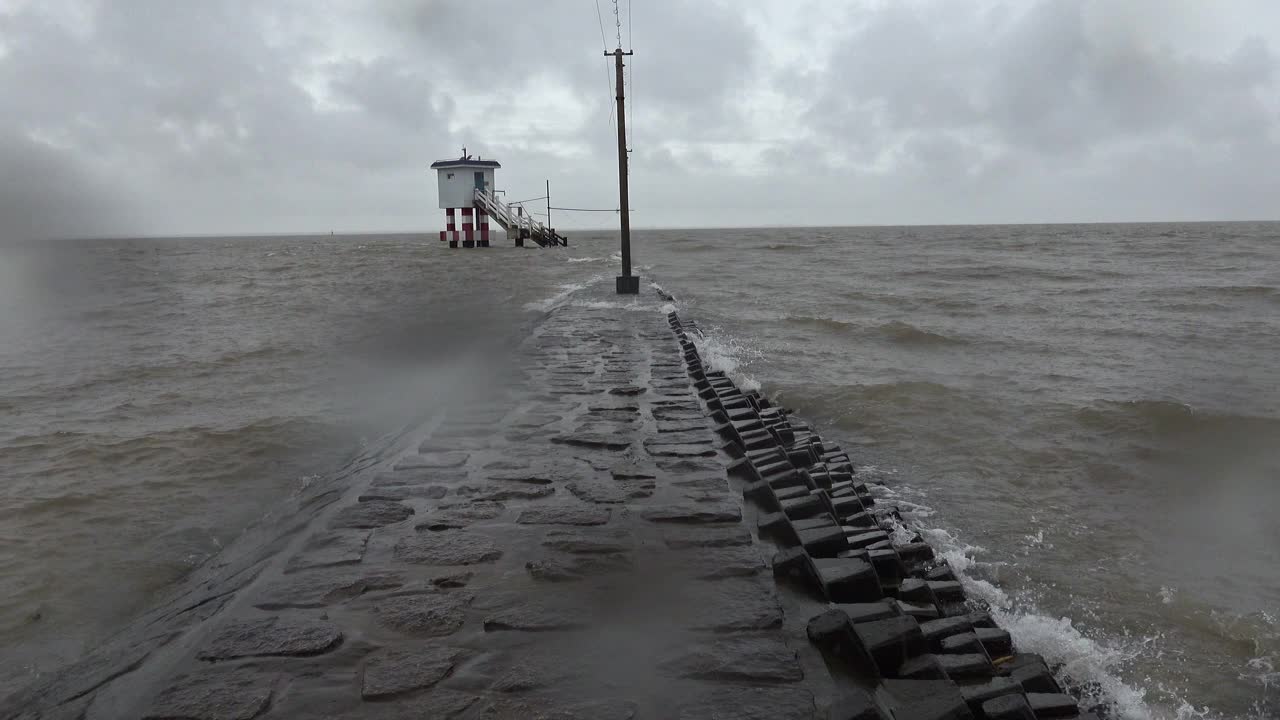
column 617, row 533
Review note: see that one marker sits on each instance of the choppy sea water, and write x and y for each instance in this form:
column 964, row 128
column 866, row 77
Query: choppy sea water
column 1087, row 418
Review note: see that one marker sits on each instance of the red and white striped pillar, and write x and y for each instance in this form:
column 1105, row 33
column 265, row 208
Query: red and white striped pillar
column 482, row 219
column 468, row 230
column 451, row 229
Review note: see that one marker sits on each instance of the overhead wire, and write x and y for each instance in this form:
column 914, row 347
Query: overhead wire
column 604, row 45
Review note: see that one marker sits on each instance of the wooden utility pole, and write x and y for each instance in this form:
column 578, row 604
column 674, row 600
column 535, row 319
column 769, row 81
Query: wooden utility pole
column 628, row 284
column 549, row 206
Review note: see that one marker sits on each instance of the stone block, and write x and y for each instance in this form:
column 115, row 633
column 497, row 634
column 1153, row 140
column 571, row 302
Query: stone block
column 855, row 704
column 995, row 641
column 970, row 666
column 923, row 700
column 1010, row 706
column 1030, row 671
column 868, row 611
column 922, row 667
column 744, row 659
column 238, row 693
column 823, row 542
column 388, row 673
column 1052, row 705
column 847, row 580
column 975, row 694
column 965, row 643
column 890, row 642
column 272, row 636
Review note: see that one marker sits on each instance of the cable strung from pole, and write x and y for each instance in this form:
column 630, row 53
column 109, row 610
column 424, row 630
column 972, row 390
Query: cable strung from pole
column 604, row 45
column 614, row 210
column 617, row 20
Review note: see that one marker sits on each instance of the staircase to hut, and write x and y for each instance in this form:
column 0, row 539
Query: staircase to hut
column 516, row 222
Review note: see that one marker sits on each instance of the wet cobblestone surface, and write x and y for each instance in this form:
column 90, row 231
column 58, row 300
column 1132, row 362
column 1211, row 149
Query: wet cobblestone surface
column 615, row 532
column 569, row 548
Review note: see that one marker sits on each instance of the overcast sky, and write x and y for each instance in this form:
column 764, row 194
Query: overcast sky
column 224, row 116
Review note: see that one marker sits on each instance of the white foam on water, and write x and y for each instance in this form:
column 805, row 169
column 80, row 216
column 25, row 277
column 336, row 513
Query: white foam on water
column 1091, row 665
column 586, row 259
column 724, row 356
column 564, row 291
column 630, row 306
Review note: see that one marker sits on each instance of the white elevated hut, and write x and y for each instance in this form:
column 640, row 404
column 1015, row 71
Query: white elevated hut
column 467, row 184
column 458, row 181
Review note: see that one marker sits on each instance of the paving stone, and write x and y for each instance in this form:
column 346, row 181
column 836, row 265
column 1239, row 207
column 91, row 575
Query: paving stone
column 689, row 466
column 605, row 493
column 372, row 514
column 233, row 694
column 532, row 616
column 593, row 440
column 433, row 460
column 554, row 709
column 632, row 471
column 388, row 673
column 588, row 542
column 564, row 515
column 726, row 562
column 345, row 547
column 706, row 537
column 404, row 492
column 461, row 515
column 447, row 548
column 733, row 605
column 686, row 450
column 500, row 493
column 432, row 614
column 749, row 703
column 530, row 476
column 746, row 659
column 320, row 587
column 723, row 512
column 577, row 567
column 272, row 636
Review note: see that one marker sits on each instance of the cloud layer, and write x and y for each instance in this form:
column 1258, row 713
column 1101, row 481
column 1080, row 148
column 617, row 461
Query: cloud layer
column 161, row 117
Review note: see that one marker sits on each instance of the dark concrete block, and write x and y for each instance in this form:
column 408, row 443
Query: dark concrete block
column 916, row 591
column 947, row 589
column 936, row 630
column 890, row 642
column 975, row 694
column 964, row 643
column 1031, row 671
column 867, row 612
column 923, row 613
column 923, row 700
column 1052, row 705
column 1008, row 707
column 973, row 665
column 847, row 580
column 923, row 667
column 995, row 641
column 823, row 542
column 855, row 704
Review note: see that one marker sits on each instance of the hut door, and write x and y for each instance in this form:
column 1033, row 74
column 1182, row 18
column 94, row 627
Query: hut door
column 480, row 180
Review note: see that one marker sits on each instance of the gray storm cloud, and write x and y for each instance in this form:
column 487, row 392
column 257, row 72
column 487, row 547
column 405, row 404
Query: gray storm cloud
column 217, row 117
